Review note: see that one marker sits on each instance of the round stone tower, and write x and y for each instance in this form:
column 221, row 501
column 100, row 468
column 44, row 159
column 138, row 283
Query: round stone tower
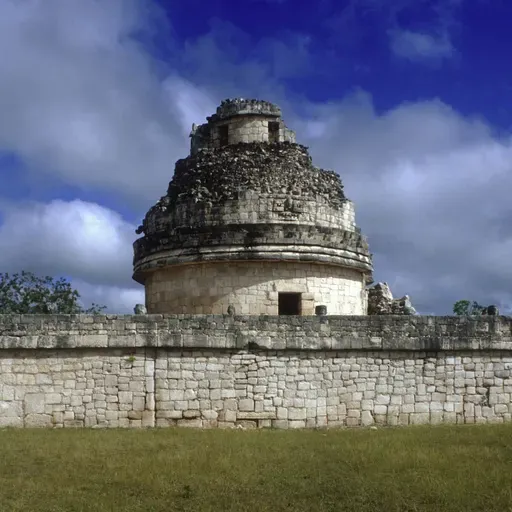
column 250, row 226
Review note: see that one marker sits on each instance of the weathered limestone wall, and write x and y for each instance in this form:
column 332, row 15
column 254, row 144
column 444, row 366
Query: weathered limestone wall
column 245, row 129
column 219, row 371
column 251, row 129
column 253, row 208
column 247, row 121
column 253, row 287
column 242, row 129
column 251, row 202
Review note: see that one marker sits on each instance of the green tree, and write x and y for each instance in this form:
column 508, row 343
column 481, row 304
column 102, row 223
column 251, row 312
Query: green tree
column 466, row 308
column 27, row 293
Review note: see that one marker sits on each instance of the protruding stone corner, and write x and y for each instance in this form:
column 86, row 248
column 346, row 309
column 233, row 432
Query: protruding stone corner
column 381, row 302
column 140, row 309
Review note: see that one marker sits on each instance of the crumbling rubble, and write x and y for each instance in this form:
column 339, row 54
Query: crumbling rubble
column 214, row 176
column 381, row 302
column 140, row 309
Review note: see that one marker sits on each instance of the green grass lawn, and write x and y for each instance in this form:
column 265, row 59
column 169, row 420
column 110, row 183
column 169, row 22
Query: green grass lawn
column 461, row 468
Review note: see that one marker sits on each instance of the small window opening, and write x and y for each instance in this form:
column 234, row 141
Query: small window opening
column 223, row 135
column 289, row 303
column 273, row 131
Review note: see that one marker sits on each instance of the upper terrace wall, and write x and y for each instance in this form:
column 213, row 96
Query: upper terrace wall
column 220, row 371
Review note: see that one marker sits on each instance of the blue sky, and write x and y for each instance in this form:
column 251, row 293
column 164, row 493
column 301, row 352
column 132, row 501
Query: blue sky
column 407, row 100
column 322, row 50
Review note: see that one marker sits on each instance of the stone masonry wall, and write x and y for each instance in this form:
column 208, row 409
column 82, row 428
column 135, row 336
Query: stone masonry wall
column 247, row 121
column 283, row 372
column 245, row 129
column 254, row 208
column 251, row 129
column 253, row 202
column 252, row 287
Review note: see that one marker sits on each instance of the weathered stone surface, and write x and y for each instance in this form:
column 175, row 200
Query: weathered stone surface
column 380, row 332
column 38, row 420
column 35, row 403
column 424, row 370
column 248, row 193
column 140, row 309
column 381, row 302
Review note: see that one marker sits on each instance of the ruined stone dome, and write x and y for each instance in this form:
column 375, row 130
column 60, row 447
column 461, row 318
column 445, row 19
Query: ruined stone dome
column 248, row 192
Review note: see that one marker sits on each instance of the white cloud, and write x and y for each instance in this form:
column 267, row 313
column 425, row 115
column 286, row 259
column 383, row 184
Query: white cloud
column 81, row 100
column 431, row 189
column 193, row 104
column 420, row 46
column 86, row 241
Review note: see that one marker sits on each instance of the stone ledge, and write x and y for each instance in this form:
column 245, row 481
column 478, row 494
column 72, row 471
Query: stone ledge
column 256, row 333
column 256, row 416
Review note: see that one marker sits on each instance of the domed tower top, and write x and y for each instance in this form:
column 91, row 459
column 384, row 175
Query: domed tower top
column 249, row 224
column 240, row 120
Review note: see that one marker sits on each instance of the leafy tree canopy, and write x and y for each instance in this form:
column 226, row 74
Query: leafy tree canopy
column 466, row 308
column 27, row 293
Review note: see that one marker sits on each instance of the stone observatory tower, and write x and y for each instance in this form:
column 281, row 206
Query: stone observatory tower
column 249, row 226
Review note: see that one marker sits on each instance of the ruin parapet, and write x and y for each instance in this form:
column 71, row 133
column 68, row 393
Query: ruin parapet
column 240, row 106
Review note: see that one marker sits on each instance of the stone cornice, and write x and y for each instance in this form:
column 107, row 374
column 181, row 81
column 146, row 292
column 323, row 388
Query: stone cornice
column 189, row 332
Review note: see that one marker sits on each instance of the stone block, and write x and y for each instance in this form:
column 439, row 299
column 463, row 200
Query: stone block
column 139, row 403
column 247, row 424
column 422, row 407
column 191, row 423
column 209, row 414
column 34, row 403
column 52, row 398
column 296, row 423
column 436, row 417
column 501, row 409
column 264, row 415
column 10, row 421
column 419, row 418
column 246, row 405
column 282, row 413
column 380, row 409
column 403, row 419
column 135, row 415
column 382, row 399
column 191, row 413
column 38, row 420
column 367, row 418
column 125, row 397
column 296, row 413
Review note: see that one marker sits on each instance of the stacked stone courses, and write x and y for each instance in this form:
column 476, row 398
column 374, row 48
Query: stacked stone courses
column 231, row 107
column 254, row 198
column 193, row 289
column 268, row 371
column 246, row 120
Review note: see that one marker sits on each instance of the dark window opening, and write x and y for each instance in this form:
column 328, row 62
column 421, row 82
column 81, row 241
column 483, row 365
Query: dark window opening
column 289, row 303
column 273, row 131
column 223, row 135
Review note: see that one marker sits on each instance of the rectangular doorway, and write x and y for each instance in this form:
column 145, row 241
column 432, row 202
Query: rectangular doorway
column 273, row 131
column 223, row 135
column 289, row 303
